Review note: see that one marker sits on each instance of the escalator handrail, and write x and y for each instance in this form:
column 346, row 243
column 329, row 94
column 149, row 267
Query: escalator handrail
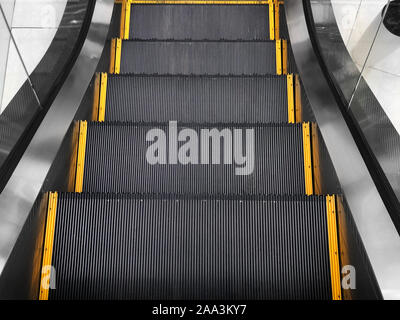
column 381, row 181
column 20, row 141
column 26, row 182
column 375, row 226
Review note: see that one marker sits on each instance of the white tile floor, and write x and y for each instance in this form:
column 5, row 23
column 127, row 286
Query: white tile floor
column 358, row 21
column 34, row 24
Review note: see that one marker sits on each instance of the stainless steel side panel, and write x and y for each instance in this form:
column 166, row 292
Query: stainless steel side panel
column 25, row 185
column 377, row 232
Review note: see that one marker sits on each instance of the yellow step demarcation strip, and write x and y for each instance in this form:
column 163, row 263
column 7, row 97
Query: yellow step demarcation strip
column 307, row 158
column 284, row 57
column 205, row 2
column 122, row 21
column 125, row 19
column 298, row 100
column 271, row 21
column 278, row 57
column 290, row 97
column 103, row 97
column 115, row 56
column 333, row 248
column 277, row 31
column 48, row 244
column 118, row 51
column 96, row 97
column 316, row 160
column 112, row 55
column 343, row 232
column 80, row 166
column 73, row 158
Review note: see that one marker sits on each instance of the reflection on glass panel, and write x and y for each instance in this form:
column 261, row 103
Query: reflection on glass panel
column 361, row 55
column 38, row 41
column 346, row 30
column 376, row 100
column 5, row 38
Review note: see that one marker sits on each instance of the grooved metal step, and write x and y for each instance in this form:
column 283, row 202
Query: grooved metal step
column 116, row 162
column 202, row 99
column 199, row 22
column 133, row 247
column 199, row 57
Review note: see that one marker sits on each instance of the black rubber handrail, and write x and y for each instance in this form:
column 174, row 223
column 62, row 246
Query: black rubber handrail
column 47, row 97
column 378, row 175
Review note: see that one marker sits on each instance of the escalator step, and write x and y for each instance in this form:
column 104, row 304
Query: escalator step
column 135, row 247
column 199, row 57
column 199, row 22
column 116, row 161
column 201, row 99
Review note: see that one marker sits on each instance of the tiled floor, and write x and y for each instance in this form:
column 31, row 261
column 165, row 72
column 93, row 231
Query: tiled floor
column 34, row 24
column 358, row 21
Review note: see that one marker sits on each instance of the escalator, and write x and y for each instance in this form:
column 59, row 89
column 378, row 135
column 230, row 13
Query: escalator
column 242, row 223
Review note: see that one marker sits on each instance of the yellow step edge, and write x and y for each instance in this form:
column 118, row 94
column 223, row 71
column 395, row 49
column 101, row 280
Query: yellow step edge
column 316, row 160
column 118, row 51
column 122, row 21
column 80, row 166
column 298, row 101
column 48, row 246
column 284, row 57
column 115, row 56
column 127, row 23
column 307, row 158
column 125, row 19
column 222, row 2
column 73, row 158
column 112, row 55
column 277, row 31
column 345, row 252
column 271, row 21
column 96, row 97
column 278, row 54
column 103, row 97
column 333, row 248
column 290, row 97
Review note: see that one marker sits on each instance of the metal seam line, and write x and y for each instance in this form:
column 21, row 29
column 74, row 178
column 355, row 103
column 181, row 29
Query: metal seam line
column 80, row 166
column 48, row 244
column 333, row 248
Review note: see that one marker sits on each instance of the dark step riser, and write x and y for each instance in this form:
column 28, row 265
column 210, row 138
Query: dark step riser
column 116, row 162
column 197, row 99
column 170, row 249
